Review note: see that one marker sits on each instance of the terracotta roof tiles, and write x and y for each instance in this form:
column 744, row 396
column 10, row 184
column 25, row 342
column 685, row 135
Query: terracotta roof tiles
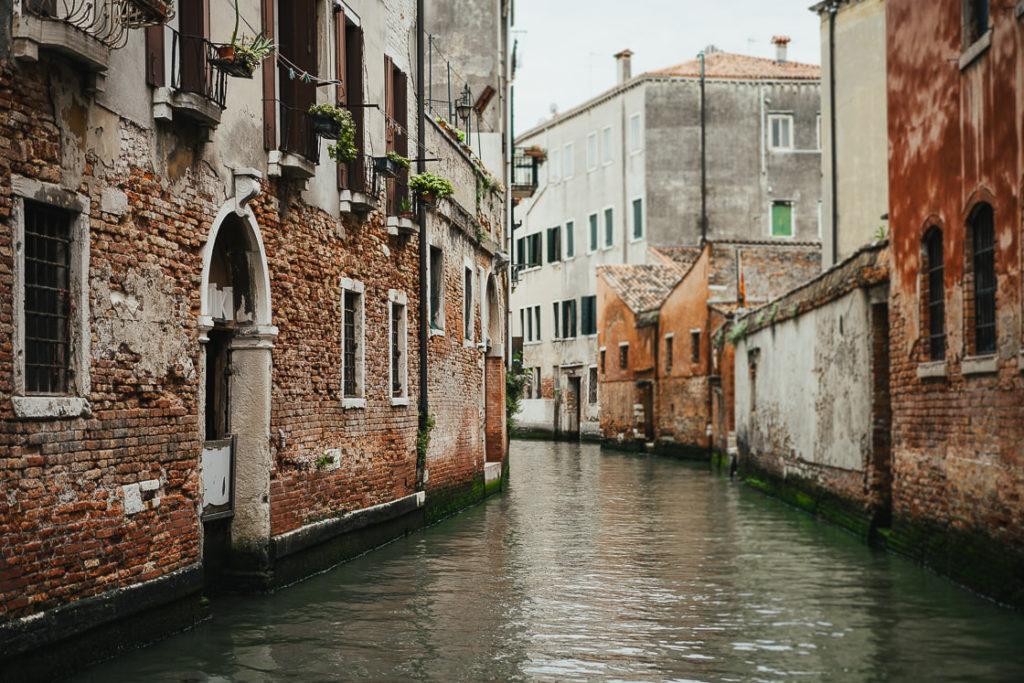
column 642, row 287
column 731, row 65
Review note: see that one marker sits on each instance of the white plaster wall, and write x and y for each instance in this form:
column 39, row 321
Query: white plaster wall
column 813, row 385
column 536, row 413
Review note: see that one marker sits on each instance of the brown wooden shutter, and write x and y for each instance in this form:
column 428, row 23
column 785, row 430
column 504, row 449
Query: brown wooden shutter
column 269, row 73
column 341, row 74
column 354, row 95
column 155, row 56
column 401, row 99
column 389, row 105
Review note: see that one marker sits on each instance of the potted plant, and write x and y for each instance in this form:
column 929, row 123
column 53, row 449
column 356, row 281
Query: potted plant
column 430, row 186
column 240, row 57
column 344, row 150
column 405, row 211
column 536, row 151
column 141, row 13
column 329, row 120
column 390, row 164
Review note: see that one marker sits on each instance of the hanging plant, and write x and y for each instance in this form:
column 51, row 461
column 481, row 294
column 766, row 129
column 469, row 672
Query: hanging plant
column 334, row 123
column 400, row 161
column 240, row 56
column 430, row 186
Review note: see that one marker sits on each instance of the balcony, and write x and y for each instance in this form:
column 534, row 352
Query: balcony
column 525, row 174
column 198, row 90
column 358, row 196
column 298, row 150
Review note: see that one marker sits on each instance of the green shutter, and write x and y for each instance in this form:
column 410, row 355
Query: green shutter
column 782, row 220
column 638, row 219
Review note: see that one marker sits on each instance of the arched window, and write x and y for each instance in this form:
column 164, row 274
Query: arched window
column 984, row 280
column 935, row 311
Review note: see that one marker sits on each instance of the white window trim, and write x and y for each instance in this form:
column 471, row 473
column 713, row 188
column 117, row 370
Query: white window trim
column 565, row 241
column 602, row 229
column 608, row 147
column 792, row 218
column 632, row 219
column 76, row 403
column 567, row 153
column 348, row 402
column 636, row 146
column 468, row 341
column 618, row 361
column 593, row 163
column 398, row 297
column 597, row 246
column 782, row 116
column 441, row 301
column 554, row 168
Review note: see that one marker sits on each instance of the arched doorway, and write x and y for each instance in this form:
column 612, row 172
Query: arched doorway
column 494, row 377
column 237, row 339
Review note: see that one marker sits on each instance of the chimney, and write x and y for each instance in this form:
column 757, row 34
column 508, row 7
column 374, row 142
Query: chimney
column 780, row 48
column 623, row 68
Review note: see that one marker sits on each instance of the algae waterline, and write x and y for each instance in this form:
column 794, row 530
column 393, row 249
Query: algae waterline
column 601, row 565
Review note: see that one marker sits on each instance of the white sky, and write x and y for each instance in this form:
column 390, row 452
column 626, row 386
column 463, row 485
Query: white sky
column 566, row 46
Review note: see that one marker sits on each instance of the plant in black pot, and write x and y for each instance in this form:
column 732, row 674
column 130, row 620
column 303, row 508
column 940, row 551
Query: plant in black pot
column 390, row 164
column 240, row 56
column 334, row 123
column 429, row 186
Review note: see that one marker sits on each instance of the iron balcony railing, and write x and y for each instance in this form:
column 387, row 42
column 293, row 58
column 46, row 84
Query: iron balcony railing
column 192, row 71
column 298, row 136
column 525, row 174
column 108, row 21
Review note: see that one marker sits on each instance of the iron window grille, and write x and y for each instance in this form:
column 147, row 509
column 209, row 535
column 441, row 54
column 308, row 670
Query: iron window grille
column 936, row 297
column 397, row 390
column 984, row 281
column 668, row 353
column 694, row 347
column 48, row 304
column 350, row 386
column 623, row 357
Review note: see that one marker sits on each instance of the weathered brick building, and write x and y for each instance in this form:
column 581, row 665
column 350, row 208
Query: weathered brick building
column 671, row 391
column 956, row 169
column 212, row 336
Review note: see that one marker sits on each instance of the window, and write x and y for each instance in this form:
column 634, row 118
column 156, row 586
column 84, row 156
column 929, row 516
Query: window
column 592, row 242
column 533, row 250
column 352, row 336
column 536, row 321
column 398, row 323
column 609, row 228
column 568, row 166
column 669, row 339
column 935, row 295
column 983, row 243
column 554, row 245
column 48, row 306
column 635, row 141
column 553, row 167
column 592, row 386
column 522, row 323
column 521, row 251
column 606, row 145
column 782, row 219
column 570, row 239
column 556, row 334
column 467, row 305
column 569, row 319
column 780, row 131
column 694, row 346
column 975, row 25
column 623, row 355
column 536, row 382
column 50, row 340
column 396, row 137
column 638, row 218
column 601, row 357
column 592, row 151
column 436, row 289
column 529, row 324
column 588, row 315
column 349, row 64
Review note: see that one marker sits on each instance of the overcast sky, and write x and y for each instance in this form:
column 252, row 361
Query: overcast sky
column 566, row 46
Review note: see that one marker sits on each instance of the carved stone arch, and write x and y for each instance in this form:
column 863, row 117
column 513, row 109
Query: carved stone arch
column 495, row 320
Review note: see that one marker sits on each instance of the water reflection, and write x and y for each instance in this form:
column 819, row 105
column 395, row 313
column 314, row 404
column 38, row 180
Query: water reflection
column 600, row 565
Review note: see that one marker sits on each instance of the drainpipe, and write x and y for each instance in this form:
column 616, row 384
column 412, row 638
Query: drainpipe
column 833, row 8
column 421, row 216
column 703, row 160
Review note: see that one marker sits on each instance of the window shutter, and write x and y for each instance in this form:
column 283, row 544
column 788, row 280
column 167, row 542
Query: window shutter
column 354, row 97
column 389, row 105
column 340, row 74
column 269, row 73
column 155, row 56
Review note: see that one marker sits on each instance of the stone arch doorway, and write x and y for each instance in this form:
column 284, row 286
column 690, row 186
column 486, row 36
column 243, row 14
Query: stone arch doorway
column 494, row 380
column 494, row 319
column 237, row 340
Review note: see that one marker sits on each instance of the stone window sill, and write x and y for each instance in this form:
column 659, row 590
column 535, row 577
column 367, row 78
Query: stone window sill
column 932, row 369
column 978, row 48
column 979, row 365
column 48, row 407
column 400, row 401
column 350, row 403
column 402, row 226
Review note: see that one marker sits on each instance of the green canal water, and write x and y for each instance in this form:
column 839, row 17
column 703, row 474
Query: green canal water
column 597, row 565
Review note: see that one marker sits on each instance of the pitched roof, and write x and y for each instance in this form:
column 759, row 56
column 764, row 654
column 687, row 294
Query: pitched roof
column 680, row 257
column 641, row 286
column 731, row 65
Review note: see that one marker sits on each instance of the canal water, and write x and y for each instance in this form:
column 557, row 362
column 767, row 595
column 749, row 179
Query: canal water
column 603, row 565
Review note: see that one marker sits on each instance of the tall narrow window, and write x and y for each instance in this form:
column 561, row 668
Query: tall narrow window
column 982, row 231
column 569, row 319
column 536, row 320
column 694, row 346
column 399, row 345
column 588, row 314
column 669, row 339
column 568, row 165
column 467, row 305
column 48, row 304
column 352, row 340
column 609, row 228
column 936, row 296
column 975, row 22
column 436, row 288
column 601, row 356
column 592, row 151
column 780, row 132
column 635, row 141
column 606, row 145
column 638, row 218
column 529, row 324
column 592, row 386
column 623, row 355
column 554, row 245
column 554, row 166
column 570, row 239
column 556, row 330
column 592, row 244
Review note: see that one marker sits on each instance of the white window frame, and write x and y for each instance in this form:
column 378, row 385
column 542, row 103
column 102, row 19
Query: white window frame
column 554, row 168
column 566, row 231
column 618, row 361
column 772, row 118
column 440, row 329
column 632, row 219
column 398, row 297
column 606, row 146
column 468, row 340
column 603, row 228
column 592, row 151
column 359, row 401
column 636, row 134
column 568, row 162
column 76, row 402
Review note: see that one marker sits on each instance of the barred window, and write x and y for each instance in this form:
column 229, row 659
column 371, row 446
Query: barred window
column 352, row 332
column 398, row 345
column 982, row 230
column 48, row 304
column 668, row 352
column 623, row 356
column 694, row 346
column 592, row 386
column 936, row 296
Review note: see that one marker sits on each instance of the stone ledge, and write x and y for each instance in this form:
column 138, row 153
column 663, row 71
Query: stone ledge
column 979, row 365
column 50, row 407
column 932, row 369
